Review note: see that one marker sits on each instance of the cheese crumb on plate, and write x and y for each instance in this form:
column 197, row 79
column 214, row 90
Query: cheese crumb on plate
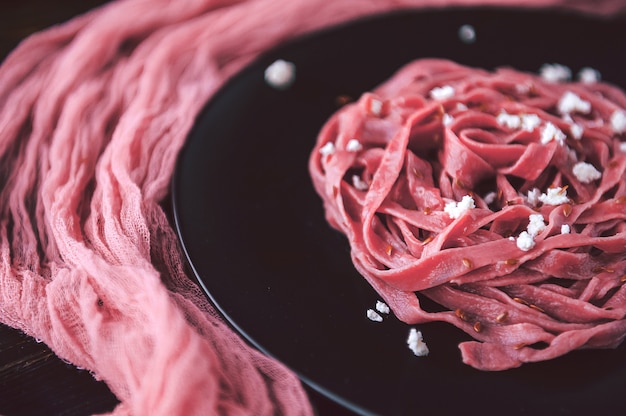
column 416, row 343
column 280, row 74
column 586, row 172
column 525, row 241
column 354, row 145
column 442, row 93
column 572, row 103
column 554, row 196
column 382, row 307
column 618, row 121
column 551, row 132
column 455, row 210
column 554, row 73
column 374, row 316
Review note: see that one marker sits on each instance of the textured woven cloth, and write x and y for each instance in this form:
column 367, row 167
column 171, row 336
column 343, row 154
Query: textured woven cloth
column 92, row 116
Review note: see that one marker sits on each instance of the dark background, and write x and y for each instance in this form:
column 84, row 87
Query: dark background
column 33, row 381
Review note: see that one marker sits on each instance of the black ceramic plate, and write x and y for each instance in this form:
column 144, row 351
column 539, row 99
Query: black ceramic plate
column 254, row 230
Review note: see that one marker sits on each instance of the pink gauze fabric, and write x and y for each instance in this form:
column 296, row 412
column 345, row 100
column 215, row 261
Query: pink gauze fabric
column 92, row 115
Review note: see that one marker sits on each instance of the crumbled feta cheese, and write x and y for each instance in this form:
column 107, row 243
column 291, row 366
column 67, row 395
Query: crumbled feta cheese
column 589, row 75
column 618, row 121
column 447, row 119
column 442, row 93
column 555, row 73
column 280, row 74
column 467, row 34
column 328, row 149
column 376, row 106
column 572, row 103
column 576, row 130
column 359, row 183
column 374, row 316
column 622, row 147
column 586, row 172
column 382, row 307
column 554, row 196
column 455, row 210
column 525, row 241
column 567, row 118
column 353, row 145
column 533, row 196
column 535, row 224
column 551, row 132
column 507, row 120
column 530, row 121
column 416, row 343
column 565, row 229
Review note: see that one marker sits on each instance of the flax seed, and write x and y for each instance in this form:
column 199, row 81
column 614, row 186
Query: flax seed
column 478, row 327
column 461, row 314
column 502, row 317
column 567, row 210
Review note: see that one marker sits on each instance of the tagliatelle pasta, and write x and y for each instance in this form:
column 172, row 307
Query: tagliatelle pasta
column 499, row 195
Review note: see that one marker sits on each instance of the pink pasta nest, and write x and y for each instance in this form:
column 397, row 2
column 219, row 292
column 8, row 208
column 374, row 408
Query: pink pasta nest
column 499, row 195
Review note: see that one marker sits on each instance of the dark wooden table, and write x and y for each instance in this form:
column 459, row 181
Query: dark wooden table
column 33, row 381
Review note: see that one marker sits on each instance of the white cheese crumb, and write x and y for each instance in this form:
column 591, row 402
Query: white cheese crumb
column 618, row 121
column 328, row 149
column 442, row 93
column 551, row 132
column 622, row 147
column 359, row 183
column 555, row 73
column 382, row 307
column 586, row 172
column 525, row 241
column 511, row 238
column 461, row 107
column 374, row 316
column 455, row 210
column 507, row 120
column 572, row 103
column 589, row 75
column 353, row 145
column 376, row 106
column 565, row 229
column 554, row 196
column 467, row 34
column 533, row 196
column 447, row 119
column 530, row 121
column 280, row 74
column 577, row 131
column 416, row 343
column 535, row 224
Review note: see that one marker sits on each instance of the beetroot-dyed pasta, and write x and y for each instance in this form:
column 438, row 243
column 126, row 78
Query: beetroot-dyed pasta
column 499, row 195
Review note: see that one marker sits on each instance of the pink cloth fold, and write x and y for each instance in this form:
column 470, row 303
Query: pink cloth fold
column 92, row 116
